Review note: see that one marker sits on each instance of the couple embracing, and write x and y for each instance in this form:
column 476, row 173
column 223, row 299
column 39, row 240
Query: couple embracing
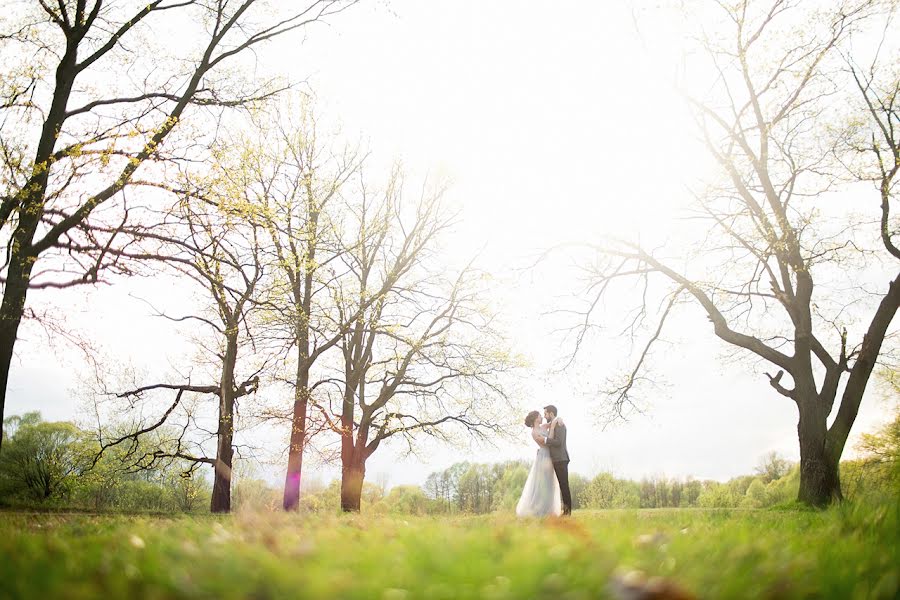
column 546, row 491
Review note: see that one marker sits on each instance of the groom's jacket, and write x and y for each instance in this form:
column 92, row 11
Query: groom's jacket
column 557, row 445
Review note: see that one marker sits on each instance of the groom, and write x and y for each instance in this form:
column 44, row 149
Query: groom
column 559, row 455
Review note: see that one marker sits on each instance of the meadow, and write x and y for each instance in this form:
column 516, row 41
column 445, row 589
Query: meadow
column 848, row 551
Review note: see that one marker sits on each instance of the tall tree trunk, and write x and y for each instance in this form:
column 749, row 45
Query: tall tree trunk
column 353, row 474
column 866, row 360
column 18, row 276
column 30, row 201
column 14, row 295
column 303, row 300
column 10, row 317
column 352, row 469
column 820, row 482
column 291, row 499
column 221, row 495
column 821, row 449
column 353, row 455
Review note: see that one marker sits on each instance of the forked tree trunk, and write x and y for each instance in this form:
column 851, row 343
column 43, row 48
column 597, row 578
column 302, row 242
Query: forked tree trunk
column 821, row 447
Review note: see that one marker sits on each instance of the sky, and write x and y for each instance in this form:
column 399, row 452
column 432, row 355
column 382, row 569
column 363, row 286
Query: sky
column 556, row 122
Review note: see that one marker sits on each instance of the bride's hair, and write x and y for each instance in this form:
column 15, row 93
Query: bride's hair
column 529, row 420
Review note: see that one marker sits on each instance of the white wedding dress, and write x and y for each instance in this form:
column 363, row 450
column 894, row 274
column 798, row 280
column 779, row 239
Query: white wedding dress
column 541, row 496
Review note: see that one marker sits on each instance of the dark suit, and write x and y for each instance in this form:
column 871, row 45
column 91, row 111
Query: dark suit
column 559, row 454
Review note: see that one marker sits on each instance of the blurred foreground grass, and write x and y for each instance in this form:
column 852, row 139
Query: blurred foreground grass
column 846, row 552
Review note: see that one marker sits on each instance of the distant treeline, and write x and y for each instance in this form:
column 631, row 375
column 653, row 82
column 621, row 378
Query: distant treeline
column 54, row 465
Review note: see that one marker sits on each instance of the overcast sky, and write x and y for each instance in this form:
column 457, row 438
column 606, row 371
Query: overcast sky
column 556, row 122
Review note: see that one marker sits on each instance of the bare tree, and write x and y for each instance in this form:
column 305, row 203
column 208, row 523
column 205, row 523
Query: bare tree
column 293, row 183
column 422, row 358
column 213, row 243
column 754, row 274
column 772, row 466
column 289, row 181
column 74, row 135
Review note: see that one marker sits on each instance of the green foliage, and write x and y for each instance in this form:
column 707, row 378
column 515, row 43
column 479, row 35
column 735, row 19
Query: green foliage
column 691, row 493
column 52, row 465
column 40, row 460
column 784, row 491
column 317, row 498
column 740, row 485
column 718, row 495
column 509, row 487
column 321, row 500
column 40, row 456
column 407, row 500
column 851, row 551
column 254, row 495
column 101, row 486
column 189, row 493
column 605, row 491
column 756, row 496
column 475, row 490
column 772, row 466
column 466, row 487
column 876, row 474
column 138, row 495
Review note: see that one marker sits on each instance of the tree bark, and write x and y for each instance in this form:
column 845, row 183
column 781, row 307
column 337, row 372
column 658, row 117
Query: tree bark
column 221, row 495
column 291, row 500
column 353, row 470
column 862, row 369
column 820, row 482
column 10, row 317
column 303, row 300
column 353, row 474
column 31, row 202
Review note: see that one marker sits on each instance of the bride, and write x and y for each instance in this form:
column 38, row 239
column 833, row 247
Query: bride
column 541, row 496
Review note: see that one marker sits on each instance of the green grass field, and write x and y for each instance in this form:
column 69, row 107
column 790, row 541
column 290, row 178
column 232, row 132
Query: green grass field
column 846, row 552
